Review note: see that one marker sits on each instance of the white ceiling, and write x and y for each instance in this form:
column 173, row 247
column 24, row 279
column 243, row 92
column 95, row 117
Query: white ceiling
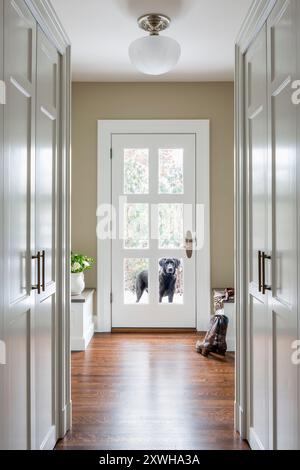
column 101, row 31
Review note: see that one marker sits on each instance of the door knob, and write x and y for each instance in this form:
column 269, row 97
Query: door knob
column 189, row 244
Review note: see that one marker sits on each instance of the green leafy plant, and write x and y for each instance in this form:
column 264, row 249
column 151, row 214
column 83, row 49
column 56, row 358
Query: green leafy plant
column 80, row 263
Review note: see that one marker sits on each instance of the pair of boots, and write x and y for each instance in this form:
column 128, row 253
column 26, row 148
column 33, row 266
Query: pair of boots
column 215, row 339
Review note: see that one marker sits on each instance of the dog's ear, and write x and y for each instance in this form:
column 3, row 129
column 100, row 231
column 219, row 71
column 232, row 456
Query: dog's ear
column 162, row 262
column 177, row 263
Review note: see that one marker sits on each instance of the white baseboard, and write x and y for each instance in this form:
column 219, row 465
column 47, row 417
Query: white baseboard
column 80, row 344
column 65, row 420
column 230, row 344
column 254, row 441
column 239, row 420
column 50, row 440
column 95, row 321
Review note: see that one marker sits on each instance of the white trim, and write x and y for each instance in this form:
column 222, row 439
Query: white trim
column 2, row 92
column 254, row 441
column 255, row 19
column 3, row 430
column 239, row 415
column 50, row 440
column 64, row 355
column 298, row 203
column 257, row 16
column 80, row 344
column 230, row 344
column 45, row 15
column 105, row 130
column 66, row 418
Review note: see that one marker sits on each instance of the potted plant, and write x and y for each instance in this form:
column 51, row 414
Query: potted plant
column 79, row 264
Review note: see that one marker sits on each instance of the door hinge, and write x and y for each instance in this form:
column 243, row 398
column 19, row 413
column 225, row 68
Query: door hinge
column 111, row 154
column 111, row 298
column 2, row 92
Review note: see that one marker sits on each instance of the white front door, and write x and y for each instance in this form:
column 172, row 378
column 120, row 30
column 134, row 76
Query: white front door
column 153, row 192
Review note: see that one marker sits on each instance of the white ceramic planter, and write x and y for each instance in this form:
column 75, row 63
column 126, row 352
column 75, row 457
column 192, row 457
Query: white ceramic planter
column 77, row 283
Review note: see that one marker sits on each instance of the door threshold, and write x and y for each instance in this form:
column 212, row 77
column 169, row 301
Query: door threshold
column 154, row 330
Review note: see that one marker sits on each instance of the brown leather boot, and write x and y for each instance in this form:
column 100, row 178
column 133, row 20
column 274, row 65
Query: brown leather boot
column 210, row 341
column 215, row 339
column 222, row 331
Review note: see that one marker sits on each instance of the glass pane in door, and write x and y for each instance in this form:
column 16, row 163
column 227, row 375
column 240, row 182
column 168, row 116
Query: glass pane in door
column 136, row 228
column 136, row 280
column 170, row 226
column 136, row 171
column 171, row 171
column 170, row 280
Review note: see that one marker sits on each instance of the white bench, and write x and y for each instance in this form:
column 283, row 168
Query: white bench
column 229, row 311
column 82, row 326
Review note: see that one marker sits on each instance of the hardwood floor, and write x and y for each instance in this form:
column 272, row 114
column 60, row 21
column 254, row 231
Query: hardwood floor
column 151, row 391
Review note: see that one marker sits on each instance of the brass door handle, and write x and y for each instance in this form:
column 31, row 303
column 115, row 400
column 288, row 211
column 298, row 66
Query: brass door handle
column 43, row 256
column 264, row 286
column 189, row 244
column 37, row 257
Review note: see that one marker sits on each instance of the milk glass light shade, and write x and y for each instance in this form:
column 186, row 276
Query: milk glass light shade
column 154, row 55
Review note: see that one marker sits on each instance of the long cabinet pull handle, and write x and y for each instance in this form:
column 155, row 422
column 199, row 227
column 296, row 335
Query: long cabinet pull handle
column 37, row 257
column 259, row 271
column 189, row 244
column 43, row 256
column 264, row 286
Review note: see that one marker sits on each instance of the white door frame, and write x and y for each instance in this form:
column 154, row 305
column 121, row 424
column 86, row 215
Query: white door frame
column 199, row 128
column 253, row 23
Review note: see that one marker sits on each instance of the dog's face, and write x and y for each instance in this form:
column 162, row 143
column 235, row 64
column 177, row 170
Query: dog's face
column 169, row 265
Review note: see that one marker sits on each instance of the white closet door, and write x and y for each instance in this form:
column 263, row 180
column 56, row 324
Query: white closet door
column 282, row 40
column 273, row 220
column 45, row 237
column 19, row 134
column 258, row 190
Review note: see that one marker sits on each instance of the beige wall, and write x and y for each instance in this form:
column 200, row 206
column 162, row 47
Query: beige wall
column 214, row 101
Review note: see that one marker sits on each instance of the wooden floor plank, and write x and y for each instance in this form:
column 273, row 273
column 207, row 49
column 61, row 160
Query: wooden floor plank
column 151, row 391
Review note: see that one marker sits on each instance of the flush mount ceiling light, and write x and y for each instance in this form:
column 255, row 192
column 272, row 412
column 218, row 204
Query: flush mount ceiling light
column 154, row 54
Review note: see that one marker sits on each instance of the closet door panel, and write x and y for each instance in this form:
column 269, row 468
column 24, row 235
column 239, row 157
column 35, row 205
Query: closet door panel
column 259, row 374
column 285, row 202
column 19, row 68
column 258, row 190
column 256, row 124
column 45, row 231
column 283, row 131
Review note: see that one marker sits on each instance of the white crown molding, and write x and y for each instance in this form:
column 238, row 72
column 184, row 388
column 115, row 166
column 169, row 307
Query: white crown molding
column 47, row 18
column 256, row 17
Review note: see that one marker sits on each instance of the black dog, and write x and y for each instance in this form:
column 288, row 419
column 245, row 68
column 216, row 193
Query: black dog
column 167, row 280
